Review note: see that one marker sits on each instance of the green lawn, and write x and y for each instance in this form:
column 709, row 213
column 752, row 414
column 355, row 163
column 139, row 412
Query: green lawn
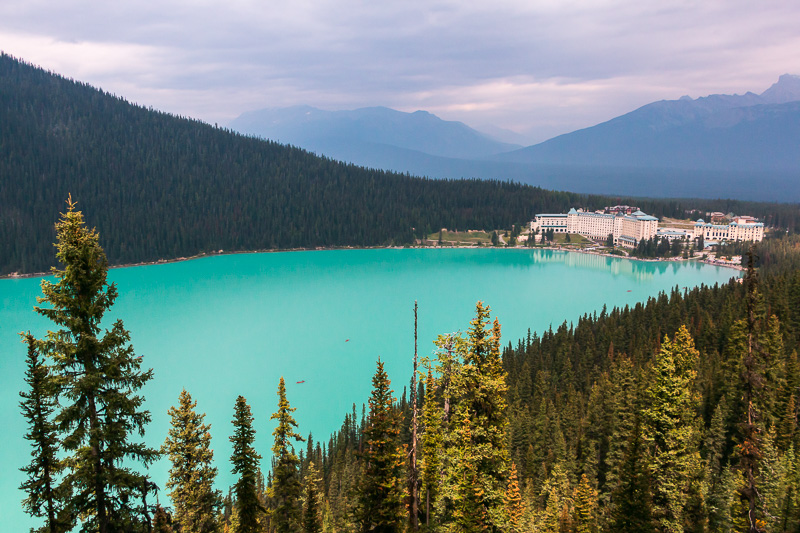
column 465, row 237
column 575, row 239
column 482, row 237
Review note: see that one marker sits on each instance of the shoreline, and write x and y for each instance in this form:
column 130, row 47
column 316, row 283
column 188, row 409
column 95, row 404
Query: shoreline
column 15, row 275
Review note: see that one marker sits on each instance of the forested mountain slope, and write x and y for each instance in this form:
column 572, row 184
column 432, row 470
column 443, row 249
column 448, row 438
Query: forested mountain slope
column 158, row 186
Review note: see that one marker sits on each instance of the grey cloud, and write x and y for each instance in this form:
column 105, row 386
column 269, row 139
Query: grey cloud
column 214, row 60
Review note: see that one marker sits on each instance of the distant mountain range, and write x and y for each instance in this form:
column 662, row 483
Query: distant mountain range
column 714, row 133
column 362, row 132
column 715, row 146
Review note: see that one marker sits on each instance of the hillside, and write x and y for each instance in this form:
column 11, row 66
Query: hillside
column 159, row 186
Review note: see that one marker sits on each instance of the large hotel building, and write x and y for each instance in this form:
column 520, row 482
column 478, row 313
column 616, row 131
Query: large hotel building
column 740, row 229
column 627, row 230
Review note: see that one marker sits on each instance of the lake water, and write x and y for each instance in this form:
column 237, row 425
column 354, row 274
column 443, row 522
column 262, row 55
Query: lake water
column 229, row 325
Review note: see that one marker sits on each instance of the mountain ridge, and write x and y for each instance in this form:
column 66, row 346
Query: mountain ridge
column 687, row 133
column 711, row 146
column 317, row 129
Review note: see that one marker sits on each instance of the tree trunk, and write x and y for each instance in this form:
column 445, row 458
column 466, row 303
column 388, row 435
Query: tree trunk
column 413, row 474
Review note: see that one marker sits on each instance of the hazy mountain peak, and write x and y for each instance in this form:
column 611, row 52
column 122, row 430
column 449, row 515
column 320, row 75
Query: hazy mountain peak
column 786, row 89
column 362, row 130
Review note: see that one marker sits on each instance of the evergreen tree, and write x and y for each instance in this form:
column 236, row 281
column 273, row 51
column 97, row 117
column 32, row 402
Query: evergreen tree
column 557, row 496
column 161, row 523
column 431, row 447
column 469, row 514
column 718, row 474
column 286, row 487
column 191, row 477
column 483, row 390
column 585, row 499
column 758, row 341
column 245, row 462
column 632, row 501
column 312, row 512
column 515, row 508
column 98, row 376
column 38, row 405
column 380, row 506
column 670, row 419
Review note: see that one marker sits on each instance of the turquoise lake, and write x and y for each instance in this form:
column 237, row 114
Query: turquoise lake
column 229, row 325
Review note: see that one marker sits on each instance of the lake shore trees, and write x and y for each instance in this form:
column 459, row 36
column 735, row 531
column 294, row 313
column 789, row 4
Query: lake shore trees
column 195, row 501
column 98, row 378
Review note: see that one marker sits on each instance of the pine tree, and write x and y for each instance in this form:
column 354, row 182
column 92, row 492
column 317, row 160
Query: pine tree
column 469, row 514
column 558, row 501
column 161, row 522
column 718, row 475
column 670, row 421
column 413, row 467
column 286, row 487
column 481, row 390
column 759, row 342
column 38, row 405
column 245, row 462
column 515, row 508
column 380, row 506
column 585, row 499
column 787, row 429
column 233, row 524
column 99, row 376
column 631, row 512
column 312, row 513
column 191, row 478
column 431, row 447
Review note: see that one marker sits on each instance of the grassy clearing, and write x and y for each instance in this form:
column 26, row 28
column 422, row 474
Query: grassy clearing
column 574, row 239
column 676, row 223
column 463, row 237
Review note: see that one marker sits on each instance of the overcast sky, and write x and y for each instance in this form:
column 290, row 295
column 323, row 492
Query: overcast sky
column 537, row 67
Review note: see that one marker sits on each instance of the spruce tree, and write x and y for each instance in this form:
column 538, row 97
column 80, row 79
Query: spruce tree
column 469, row 514
column 245, row 462
column 38, row 405
column 515, row 508
column 758, row 340
column 670, row 429
column 286, row 486
column 481, row 391
column 99, row 376
column 161, row 523
column 585, row 501
column 312, row 511
column 631, row 512
column 380, row 505
column 191, row 478
column 430, row 467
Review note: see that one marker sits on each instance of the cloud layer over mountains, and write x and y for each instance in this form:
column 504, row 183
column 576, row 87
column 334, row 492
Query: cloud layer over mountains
column 541, row 68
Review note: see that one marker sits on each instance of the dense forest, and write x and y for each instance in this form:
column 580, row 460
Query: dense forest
column 159, row 186
column 677, row 414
